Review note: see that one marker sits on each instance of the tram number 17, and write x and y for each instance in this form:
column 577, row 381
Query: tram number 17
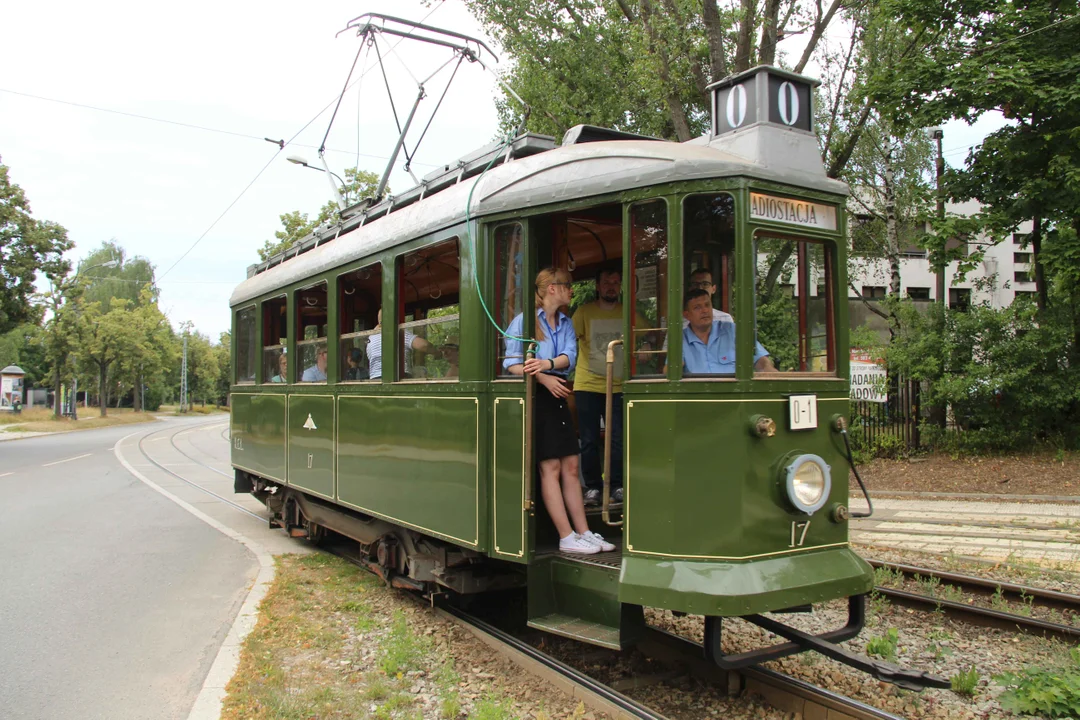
column 798, row 533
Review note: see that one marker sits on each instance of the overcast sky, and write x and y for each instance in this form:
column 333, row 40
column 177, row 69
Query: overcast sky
column 263, row 70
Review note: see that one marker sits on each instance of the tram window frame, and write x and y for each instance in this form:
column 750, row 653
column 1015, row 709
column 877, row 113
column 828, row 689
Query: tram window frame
column 246, row 350
column 275, row 313
column 716, row 256
column 370, row 279
column 653, row 339
column 309, row 349
column 803, row 286
column 509, row 299
column 429, row 256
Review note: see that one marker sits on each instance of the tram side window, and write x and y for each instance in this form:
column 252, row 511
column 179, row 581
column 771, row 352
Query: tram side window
column 275, row 339
column 311, row 333
column 509, row 292
column 429, row 281
column 359, row 297
column 245, row 345
column 648, row 243
column 794, row 303
column 707, row 314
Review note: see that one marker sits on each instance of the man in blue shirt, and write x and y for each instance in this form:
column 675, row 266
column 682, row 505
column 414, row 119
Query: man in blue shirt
column 317, row 372
column 708, row 344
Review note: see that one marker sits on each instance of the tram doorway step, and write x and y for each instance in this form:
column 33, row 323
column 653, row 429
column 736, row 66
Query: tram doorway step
column 580, row 600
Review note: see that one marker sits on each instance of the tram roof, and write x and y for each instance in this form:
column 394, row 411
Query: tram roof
column 564, row 173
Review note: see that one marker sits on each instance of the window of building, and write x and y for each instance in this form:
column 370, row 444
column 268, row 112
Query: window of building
column 359, row 299
column 1023, row 276
column 1025, row 295
column 873, row 292
column 960, row 298
column 1020, row 239
column 311, row 308
column 649, row 263
column 1021, row 258
column 275, row 340
column 795, row 328
column 509, row 286
column 918, row 293
column 428, row 295
column 245, row 345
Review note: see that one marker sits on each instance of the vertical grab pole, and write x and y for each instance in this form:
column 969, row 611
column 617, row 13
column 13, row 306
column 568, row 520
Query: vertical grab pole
column 530, row 386
column 605, row 512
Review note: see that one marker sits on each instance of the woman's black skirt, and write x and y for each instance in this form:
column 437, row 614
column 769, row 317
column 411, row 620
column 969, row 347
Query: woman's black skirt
column 554, row 427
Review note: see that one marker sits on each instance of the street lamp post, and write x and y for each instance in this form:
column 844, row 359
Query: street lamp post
column 938, row 135
column 342, row 196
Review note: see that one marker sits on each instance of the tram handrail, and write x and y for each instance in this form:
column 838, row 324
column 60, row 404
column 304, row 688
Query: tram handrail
column 605, row 511
column 530, row 385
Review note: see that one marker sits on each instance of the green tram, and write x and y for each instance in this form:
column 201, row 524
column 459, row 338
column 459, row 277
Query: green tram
column 370, row 398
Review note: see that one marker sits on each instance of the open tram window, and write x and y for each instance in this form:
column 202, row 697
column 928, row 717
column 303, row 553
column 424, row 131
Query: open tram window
column 708, row 328
column 311, row 333
column 275, row 339
column 794, row 303
column 245, row 345
column 509, row 286
column 359, row 298
column 649, row 284
column 429, row 282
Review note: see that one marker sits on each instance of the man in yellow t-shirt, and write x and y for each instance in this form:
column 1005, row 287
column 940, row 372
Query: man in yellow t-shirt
column 597, row 324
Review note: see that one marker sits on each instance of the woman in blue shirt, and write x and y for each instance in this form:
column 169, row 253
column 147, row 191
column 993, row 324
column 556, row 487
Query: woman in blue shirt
column 555, row 445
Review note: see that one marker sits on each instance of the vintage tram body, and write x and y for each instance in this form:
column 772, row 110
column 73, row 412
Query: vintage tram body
column 427, row 465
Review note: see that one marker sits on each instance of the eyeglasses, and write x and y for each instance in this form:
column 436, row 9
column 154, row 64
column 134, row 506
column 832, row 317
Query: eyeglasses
column 703, row 284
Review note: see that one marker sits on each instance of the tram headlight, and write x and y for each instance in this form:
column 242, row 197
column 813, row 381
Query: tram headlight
column 808, row 483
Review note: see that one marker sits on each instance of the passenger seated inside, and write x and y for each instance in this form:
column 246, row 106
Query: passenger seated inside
column 374, row 350
column 708, row 344
column 317, row 372
column 283, row 369
column 356, row 371
column 450, row 354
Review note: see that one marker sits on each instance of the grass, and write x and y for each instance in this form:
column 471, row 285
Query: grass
column 330, row 644
column 42, row 420
column 192, row 410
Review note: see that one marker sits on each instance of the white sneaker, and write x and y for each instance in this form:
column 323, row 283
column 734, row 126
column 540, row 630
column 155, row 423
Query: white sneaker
column 597, row 540
column 574, row 543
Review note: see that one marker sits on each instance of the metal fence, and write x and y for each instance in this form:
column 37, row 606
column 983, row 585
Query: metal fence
column 898, row 417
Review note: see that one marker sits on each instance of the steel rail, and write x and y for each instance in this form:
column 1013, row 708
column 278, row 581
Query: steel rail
column 172, row 441
column 1041, row 596
column 184, row 479
column 784, row 692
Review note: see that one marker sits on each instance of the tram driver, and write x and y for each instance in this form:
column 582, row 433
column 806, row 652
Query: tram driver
column 709, row 344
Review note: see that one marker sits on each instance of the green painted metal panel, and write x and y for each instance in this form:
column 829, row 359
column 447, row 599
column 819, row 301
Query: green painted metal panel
column 699, row 486
column 258, row 434
column 733, row 589
column 413, row 460
column 508, row 492
column 311, row 443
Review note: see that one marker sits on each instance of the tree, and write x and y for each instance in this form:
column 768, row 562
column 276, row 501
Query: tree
column 637, row 65
column 106, row 336
column 27, row 245
column 127, row 279
column 295, row 225
column 148, row 350
column 223, row 356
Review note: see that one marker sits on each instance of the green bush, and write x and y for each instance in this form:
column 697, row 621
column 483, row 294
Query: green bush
column 1049, row 693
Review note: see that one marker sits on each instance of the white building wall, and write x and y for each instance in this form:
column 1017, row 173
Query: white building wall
column 998, row 263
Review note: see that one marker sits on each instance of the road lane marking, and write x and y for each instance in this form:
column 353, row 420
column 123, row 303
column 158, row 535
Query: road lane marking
column 77, row 457
column 6, row 474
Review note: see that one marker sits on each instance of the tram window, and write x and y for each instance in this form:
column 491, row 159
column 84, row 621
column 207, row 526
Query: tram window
column 648, row 243
column 359, row 297
column 794, row 303
column 509, row 290
column 275, row 339
column 709, row 268
column 429, row 281
column 311, row 333
column 245, row 345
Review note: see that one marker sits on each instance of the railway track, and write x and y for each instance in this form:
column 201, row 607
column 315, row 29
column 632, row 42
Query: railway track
column 983, row 616
column 786, row 693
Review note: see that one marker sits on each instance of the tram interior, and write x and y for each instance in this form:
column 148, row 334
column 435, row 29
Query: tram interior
column 360, row 296
column 429, row 331
column 275, row 339
column 311, row 314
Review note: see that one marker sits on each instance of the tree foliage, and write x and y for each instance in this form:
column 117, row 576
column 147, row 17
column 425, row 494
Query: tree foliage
column 27, row 246
column 127, row 279
column 295, row 225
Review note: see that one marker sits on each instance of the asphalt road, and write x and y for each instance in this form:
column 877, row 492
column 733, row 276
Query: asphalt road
column 113, row 600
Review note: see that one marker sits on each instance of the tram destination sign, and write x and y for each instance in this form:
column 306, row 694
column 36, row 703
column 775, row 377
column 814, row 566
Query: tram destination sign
column 793, row 212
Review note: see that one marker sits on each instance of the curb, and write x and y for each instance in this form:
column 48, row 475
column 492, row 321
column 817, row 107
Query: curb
column 207, row 704
column 916, row 494
column 49, row 433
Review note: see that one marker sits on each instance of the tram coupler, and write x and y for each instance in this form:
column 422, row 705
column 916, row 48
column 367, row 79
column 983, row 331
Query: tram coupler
column 826, row 644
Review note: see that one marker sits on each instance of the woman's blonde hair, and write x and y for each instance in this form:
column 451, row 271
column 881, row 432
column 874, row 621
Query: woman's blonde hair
column 544, row 279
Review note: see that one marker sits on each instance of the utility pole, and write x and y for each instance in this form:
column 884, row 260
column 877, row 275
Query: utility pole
column 183, row 377
column 938, row 135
